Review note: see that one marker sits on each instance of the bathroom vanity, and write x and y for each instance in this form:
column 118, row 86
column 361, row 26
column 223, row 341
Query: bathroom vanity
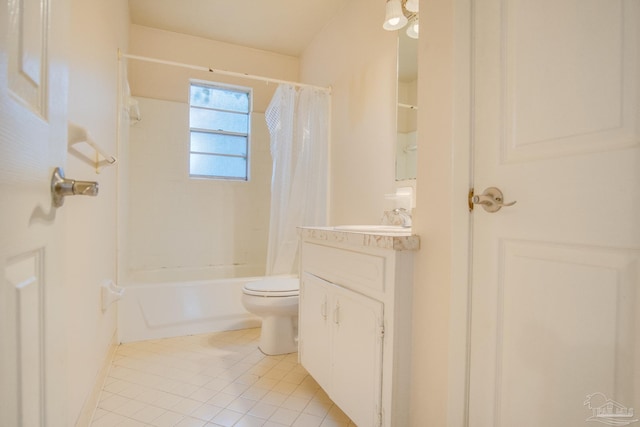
column 355, row 320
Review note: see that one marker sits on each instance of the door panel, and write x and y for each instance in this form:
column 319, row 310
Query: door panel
column 555, row 277
column 558, row 56
column 564, row 328
column 25, row 303
column 33, row 94
column 28, row 53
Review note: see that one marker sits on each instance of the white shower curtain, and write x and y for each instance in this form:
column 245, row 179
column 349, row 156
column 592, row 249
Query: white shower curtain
column 298, row 122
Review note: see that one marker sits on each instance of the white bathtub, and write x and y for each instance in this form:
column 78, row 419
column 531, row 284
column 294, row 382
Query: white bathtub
column 166, row 309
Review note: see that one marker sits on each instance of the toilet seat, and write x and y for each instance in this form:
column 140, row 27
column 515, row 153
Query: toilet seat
column 273, row 287
column 275, row 299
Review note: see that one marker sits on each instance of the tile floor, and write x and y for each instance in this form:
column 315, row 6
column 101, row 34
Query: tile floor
column 217, row 379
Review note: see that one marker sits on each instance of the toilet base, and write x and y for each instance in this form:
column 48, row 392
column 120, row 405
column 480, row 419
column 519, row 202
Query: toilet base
column 279, row 316
column 279, row 335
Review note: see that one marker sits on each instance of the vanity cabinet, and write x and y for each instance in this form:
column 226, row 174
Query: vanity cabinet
column 343, row 345
column 355, row 321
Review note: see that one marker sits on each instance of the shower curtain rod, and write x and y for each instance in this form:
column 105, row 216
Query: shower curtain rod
column 216, row 71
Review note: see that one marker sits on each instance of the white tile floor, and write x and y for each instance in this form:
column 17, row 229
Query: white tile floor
column 217, row 379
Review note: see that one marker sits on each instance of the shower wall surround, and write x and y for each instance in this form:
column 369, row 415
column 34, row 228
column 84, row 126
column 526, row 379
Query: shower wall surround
column 205, row 229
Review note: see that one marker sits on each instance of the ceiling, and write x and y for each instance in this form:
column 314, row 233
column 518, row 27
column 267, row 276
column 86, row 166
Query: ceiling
column 281, row 26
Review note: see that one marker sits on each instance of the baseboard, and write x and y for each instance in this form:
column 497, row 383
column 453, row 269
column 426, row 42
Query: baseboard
column 89, row 407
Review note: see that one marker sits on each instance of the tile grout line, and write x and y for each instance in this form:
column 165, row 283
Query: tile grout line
column 236, row 362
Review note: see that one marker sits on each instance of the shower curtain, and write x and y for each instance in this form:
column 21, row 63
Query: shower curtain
column 298, row 122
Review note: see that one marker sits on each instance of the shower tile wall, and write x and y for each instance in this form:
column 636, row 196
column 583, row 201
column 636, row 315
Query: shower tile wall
column 215, row 226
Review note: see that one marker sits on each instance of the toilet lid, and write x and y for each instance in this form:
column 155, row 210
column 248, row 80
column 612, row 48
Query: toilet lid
column 273, row 287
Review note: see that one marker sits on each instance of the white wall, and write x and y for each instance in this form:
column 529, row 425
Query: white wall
column 358, row 59
column 440, row 286
column 97, row 30
column 205, row 228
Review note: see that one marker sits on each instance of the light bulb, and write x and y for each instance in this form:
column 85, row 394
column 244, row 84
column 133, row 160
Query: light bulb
column 413, row 30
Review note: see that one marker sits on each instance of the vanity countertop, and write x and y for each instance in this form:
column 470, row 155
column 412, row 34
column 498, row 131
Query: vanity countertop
column 400, row 241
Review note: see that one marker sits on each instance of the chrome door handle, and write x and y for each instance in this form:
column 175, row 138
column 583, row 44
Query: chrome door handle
column 492, row 200
column 62, row 187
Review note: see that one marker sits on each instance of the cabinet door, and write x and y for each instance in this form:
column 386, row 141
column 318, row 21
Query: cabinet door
column 315, row 329
column 357, row 356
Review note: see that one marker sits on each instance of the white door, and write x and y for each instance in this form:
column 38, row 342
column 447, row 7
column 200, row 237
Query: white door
column 33, row 93
column 555, row 335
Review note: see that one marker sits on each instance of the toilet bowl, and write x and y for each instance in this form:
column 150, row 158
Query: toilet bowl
column 275, row 301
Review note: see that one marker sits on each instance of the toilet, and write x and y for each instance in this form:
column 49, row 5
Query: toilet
column 275, row 301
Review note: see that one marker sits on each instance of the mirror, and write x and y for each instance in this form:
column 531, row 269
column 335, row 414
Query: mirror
column 406, row 147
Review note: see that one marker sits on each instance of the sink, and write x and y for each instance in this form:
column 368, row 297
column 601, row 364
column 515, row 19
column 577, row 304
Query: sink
column 374, row 229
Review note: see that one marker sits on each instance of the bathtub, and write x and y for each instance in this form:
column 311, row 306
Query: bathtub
column 161, row 309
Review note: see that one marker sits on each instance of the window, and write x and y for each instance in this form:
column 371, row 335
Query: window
column 219, row 122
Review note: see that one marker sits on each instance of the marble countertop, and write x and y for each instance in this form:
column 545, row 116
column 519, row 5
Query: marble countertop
column 400, row 241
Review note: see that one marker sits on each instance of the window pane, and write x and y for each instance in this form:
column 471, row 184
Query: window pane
column 219, row 120
column 215, row 112
column 216, row 143
column 218, row 166
column 214, row 97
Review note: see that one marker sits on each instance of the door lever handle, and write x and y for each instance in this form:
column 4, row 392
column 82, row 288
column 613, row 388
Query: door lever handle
column 492, row 200
column 62, row 187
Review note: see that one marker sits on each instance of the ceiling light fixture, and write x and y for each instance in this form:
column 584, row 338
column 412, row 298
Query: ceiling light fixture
column 394, row 19
column 401, row 12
